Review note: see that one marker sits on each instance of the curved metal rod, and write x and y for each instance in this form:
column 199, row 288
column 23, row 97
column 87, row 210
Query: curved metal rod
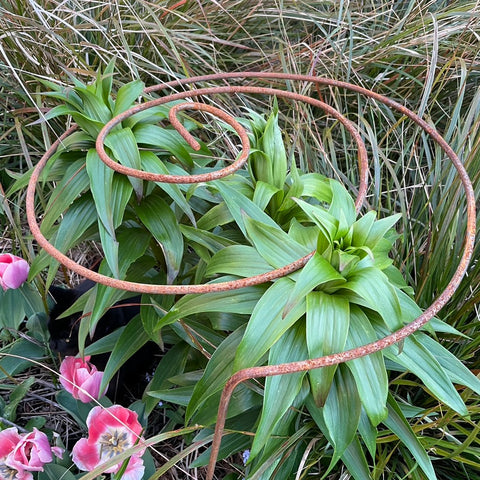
column 185, row 289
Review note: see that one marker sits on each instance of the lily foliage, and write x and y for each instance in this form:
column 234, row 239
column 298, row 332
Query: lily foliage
column 348, row 294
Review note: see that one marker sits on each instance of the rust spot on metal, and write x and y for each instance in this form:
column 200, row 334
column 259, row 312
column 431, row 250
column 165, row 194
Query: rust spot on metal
column 270, row 370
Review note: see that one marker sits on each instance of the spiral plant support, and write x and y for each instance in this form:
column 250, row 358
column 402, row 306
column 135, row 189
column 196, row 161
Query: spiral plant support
column 227, row 88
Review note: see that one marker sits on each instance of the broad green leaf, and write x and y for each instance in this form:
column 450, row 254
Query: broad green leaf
column 132, row 245
column 241, row 206
column 217, row 216
column 267, row 324
column 316, row 186
column 166, row 139
column 305, row 235
column 328, row 318
column 316, row 273
column 327, row 223
column 53, row 471
column 274, row 148
column 380, row 228
column 273, row 244
column 12, row 312
column 367, row 432
column 369, row 372
column 399, row 426
column 263, row 193
column 361, row 228
column 171, row 364
column 280, row 390
column 151, row 163
column 240, row 301
column 23, row 352
column 66, row 191
column 342, row 411
column 127, row 95
column 110, row 249
column 353, row 457
column 373, row 290
column 210, row 241
column 342, row 207
column 453, row 367
column 240, row 260
column 178, row 396
column 101, row 179
column 105, row 81
column 418, row 359
column 159, row 219
column 124, row 147
column 219, row 369
column 75, row 222
column 243, row 400
column 131, row 340
column 93, row 106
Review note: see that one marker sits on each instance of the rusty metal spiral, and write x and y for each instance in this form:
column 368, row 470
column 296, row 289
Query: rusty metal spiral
column 269, row 370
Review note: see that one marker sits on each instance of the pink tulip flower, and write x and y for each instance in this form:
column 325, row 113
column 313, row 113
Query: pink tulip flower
column 111, row 431
column 13, row 271
column 21, row 454
column 81, row 378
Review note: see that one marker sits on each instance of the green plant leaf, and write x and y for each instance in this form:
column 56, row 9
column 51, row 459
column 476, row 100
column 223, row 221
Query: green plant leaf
column 110, row 249
column 158, row 217
column 342, row 207
column 273, row 244
column 372, row 288
column 172, row 363
column 127, row 95
column 101, row 179
column 418, row 359
column 341, row 412
column 379, row 229
column 66, row 191
column 94, row 106
column 240, row 205
column 210, row 241
column 316, row 186
column 151, row 163
column 453, row 367
column 131, row 340
column 124, row 147
column 328, row 318
column 361, row 228
column 280, row 390
column 75, row 223
column 316, row 273
column 274, row 149
column 327, row 223
column 397, row 423
column 267, row 324
column 263, row 193
column 240, row 301
column 218, row 370
column 241, row 260
column 369, row 372
column 166, row 139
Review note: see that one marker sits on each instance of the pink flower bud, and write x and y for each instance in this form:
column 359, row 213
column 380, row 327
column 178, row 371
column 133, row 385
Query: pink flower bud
column 81, row 378
column 13, row 271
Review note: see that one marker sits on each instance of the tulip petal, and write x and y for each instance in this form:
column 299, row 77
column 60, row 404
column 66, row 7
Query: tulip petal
column 15, row 273
column 85, row 455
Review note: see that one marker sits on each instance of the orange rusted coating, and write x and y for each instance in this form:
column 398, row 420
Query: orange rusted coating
column 270, row 370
